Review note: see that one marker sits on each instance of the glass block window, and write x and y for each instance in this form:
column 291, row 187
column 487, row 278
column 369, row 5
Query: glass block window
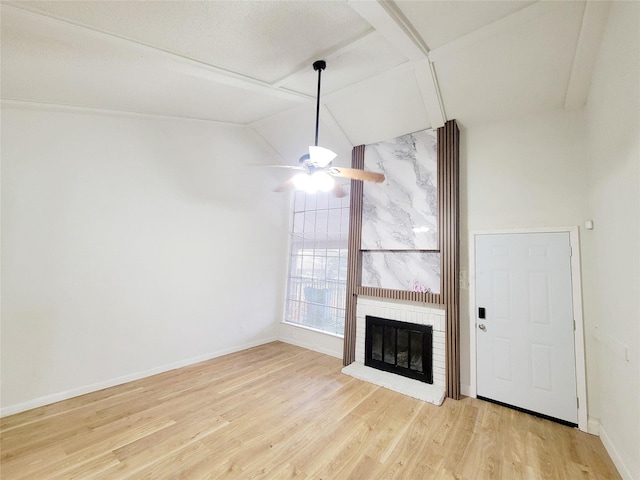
column 317, row 284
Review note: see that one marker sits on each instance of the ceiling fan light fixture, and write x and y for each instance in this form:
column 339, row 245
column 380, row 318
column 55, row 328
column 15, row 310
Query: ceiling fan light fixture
column 323, row 181
column 311, row 183
column 303, row 181
column 321, row 156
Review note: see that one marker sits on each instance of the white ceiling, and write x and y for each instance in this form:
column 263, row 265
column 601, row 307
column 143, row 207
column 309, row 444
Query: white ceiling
column 392, row 67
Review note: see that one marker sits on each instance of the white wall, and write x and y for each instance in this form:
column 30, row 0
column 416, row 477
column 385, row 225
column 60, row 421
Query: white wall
column 560, row 169
column 612, row 266
column 523, row 173
column 130, row 245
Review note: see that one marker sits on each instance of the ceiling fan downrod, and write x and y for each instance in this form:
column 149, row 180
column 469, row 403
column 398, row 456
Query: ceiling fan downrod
column 318, row 66
column 317, row 171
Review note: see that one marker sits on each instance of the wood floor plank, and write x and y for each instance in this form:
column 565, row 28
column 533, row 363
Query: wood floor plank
column 277, row 412
column 410, row 460
column 37, row 459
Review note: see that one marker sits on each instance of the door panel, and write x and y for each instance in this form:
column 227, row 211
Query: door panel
column 525, row 345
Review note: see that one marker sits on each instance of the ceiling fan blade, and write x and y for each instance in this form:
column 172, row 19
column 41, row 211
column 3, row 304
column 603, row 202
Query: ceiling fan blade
column 357, row 174
column 321, row 156
column 291, row 167
column 338, row 191
column 283, row 187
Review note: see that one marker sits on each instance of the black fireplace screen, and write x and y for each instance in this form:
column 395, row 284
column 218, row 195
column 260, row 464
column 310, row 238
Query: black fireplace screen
column 399, row 347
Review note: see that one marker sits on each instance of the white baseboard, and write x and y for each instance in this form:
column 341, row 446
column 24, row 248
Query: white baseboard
column 312, row 346
column 311, row 340
column 615, row 456
column 94, row 387
column 466, row 390
column 593, row 426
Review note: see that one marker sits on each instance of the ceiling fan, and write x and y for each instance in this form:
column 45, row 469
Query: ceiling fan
column 316, row 169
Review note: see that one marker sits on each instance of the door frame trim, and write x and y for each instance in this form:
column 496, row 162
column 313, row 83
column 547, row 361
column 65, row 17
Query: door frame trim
column 576, row 287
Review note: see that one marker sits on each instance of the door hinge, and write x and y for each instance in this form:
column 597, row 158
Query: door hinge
column 574, row 325
column 570, row 251
column 578, row 403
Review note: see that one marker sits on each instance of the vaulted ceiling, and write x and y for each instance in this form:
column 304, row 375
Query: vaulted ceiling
column 392, row 67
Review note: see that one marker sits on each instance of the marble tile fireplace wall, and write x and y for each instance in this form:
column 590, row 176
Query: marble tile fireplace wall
column 400, row 216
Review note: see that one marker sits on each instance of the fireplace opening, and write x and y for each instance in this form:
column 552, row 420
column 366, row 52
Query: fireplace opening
column 399, row 347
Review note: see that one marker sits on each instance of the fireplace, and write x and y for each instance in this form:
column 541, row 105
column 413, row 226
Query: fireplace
column 415, row 315
column 399, row 347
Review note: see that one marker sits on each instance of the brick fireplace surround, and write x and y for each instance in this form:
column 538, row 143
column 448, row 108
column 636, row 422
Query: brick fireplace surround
column 411, row 312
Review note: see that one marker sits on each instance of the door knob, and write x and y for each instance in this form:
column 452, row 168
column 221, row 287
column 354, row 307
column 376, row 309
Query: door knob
column 482, row 327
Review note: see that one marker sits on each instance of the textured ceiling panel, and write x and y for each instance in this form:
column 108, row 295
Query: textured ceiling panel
column 441, row 22
column 260, row 39
column 380, row 109
column 250, row 62
column 513, row 73
column 368, row 56
column 46, row 62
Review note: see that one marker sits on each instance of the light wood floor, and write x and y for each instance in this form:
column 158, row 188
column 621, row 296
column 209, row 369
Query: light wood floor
column 279, row 411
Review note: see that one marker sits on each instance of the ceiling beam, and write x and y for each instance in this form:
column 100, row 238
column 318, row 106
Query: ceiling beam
column 428, row 84
column 594, row 20
column 389, row 21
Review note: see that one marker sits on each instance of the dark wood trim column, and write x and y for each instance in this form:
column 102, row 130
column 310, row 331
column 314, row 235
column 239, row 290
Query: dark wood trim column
column 354, row 259
column 449, row 234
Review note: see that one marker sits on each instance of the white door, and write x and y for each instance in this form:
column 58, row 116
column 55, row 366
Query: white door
column 525, row 343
